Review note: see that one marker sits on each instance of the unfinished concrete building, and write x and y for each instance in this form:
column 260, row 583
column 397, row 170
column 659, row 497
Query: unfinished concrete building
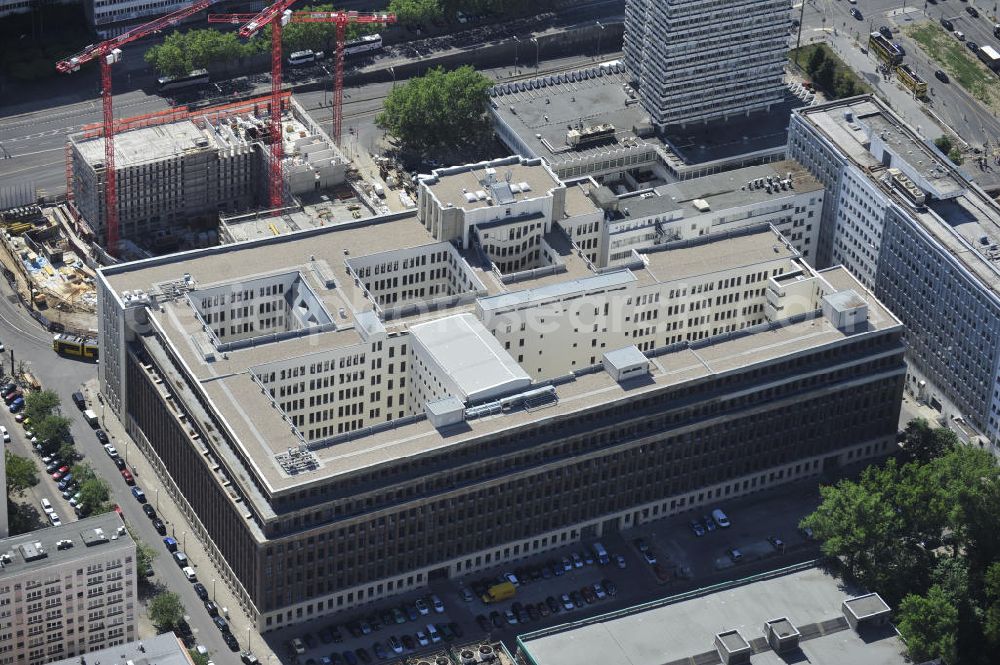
column 183, row 174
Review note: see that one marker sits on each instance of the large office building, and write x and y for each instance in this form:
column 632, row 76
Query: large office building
column 351, row 412
column 697, row 61
column 923, row 237
column 797, row 614
column 780, row 193
column 67, row 590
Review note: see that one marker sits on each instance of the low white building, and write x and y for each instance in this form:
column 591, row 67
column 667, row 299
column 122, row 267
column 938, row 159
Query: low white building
column 66, row 591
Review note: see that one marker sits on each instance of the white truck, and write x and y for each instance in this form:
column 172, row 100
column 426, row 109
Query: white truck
column 989, row 56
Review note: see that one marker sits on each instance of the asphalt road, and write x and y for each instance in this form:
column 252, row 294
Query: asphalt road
column 831, row 19
column 33, row 345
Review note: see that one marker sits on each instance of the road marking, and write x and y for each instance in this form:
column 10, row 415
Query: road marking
column 36, row 166
column 37, row 152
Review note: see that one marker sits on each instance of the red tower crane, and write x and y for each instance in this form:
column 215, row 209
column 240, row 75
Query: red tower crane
column 339, row 19
column 109, row 52
column 276, row 15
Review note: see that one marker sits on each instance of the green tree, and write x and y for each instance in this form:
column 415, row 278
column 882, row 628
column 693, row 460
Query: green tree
column 943, row 143
column 67, row 451
column 52, row 431
column 825, row 76
column 438, row 110
column 166, row 611
column 955, row 155
column 415, row 11
column 929, row 625
column 816, row 60
column 844, row 85
column 145, row 555
column 199, row 658
column 991, row 620
column 923, row 443
column 41, row 403
column 20, row 473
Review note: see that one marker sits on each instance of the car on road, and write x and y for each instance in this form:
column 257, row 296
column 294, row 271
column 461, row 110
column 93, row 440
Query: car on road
column 200, row 591
column 697, row 527
column 220, row 623
column 54, row 519
column 211, row 608
column 150, row 512
column 972, row 11
column 189, row 573
column 709, row 523
column 856, row 13
column 972, row 46
column 127, row 476
column 110, row 450
column 231, row 641
column 567, row 602
column 720, row 518
column 947, row 25
column 5, row 434
column 139, row 495
column 940, row 75
column 119, row 462
column 101, row 436
column 620, row 561
column 885, row 31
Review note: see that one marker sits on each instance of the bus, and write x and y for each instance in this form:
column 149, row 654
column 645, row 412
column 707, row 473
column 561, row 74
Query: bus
column 303, row 57
column 196, row 78
column 366, row 44
column 911, row 81
column 71, row 345
column 888, row 53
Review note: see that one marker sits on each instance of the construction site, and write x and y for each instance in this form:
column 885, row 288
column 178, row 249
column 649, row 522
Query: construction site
column 178, row 172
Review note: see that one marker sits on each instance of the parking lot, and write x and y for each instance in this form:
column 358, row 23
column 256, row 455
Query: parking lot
column 683, row 560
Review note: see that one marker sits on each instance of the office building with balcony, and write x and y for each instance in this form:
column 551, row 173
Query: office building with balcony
column 921, row 235
column 67, row 590
column 352, row 412
column 699, row 61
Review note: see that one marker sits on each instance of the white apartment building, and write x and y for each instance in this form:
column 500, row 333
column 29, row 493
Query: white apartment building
column 695, row 61
column 66, row 591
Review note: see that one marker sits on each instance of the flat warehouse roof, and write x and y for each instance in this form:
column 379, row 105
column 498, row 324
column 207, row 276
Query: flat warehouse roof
column 684, row 631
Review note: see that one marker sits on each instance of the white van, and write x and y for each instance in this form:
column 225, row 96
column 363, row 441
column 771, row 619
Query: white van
column 47, row 506
column 720, row 518
column 5, row 434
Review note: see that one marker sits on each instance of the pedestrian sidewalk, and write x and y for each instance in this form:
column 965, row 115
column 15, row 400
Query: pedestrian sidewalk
column 180, row 528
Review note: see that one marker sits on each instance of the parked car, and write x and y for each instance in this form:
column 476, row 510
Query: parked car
column 610, row 587
column 698, row 528
column 620, row 561
column 5, row 434
column 102, row 436
column 180, row 558
column 170, row 543
column 720, row 518
column 973, row 12
column 189, row 573
column 139, row 495
column 159, row 526
column 200, row 591
column 567, row 602
column 885, row 31
column 211, row 608
column 709, row 523
column 553, row 604
column 735, row 554
column 127, row 477
column 110, row 450
column 150, row 512
column 640, row 544
column 650, row 556
column 54, row 519
column 422, row 607
column 437, row 604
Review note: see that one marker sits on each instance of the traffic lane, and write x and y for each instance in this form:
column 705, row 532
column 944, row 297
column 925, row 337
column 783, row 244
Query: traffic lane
column 46, row 487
